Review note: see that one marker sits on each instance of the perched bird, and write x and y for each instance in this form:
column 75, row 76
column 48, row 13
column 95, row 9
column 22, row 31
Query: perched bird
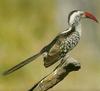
column 61, row 44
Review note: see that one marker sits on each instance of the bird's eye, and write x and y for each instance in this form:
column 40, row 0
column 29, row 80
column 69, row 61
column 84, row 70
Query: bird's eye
column 81, row 14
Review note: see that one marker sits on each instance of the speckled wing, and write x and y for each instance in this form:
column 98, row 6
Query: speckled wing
column 54, row 53
column 55, row 49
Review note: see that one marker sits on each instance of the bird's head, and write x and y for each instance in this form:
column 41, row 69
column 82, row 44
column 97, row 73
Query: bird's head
column 76, row 15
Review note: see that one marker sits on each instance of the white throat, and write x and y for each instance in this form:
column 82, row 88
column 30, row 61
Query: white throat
column 78, row 28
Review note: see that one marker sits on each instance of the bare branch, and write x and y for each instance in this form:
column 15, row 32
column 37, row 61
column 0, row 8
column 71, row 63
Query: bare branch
column 67, row 65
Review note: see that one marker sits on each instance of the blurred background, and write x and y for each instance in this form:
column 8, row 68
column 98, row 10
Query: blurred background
column 27, row 25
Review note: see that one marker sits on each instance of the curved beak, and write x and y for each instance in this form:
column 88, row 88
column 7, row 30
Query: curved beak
column 90, row 16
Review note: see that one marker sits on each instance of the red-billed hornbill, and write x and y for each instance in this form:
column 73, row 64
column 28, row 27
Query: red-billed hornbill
column 61, row 44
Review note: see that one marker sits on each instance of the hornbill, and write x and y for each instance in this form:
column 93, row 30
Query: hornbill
column 61, row 44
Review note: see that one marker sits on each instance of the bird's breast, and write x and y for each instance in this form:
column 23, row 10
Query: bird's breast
column 70, row 42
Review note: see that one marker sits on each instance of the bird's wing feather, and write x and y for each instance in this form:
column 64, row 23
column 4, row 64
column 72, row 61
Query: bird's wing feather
column 54, row 53
column 23, row 63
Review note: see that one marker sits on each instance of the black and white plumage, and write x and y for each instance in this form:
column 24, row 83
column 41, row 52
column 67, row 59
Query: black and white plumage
column 61, row 44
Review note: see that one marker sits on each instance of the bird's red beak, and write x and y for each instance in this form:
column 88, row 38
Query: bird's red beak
column 90, row 16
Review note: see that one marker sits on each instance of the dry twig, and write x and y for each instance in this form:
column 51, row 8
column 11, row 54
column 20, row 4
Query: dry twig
column 67, row 65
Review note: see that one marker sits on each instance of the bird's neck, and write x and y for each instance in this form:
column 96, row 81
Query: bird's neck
column 78, row 29
column 72, row 29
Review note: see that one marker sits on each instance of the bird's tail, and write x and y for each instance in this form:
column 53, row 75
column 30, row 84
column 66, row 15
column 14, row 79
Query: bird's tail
column 23, row 63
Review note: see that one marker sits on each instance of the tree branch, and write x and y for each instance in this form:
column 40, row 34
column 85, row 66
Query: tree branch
column 67, row 65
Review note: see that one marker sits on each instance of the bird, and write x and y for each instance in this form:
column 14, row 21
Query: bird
column 63, row 43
